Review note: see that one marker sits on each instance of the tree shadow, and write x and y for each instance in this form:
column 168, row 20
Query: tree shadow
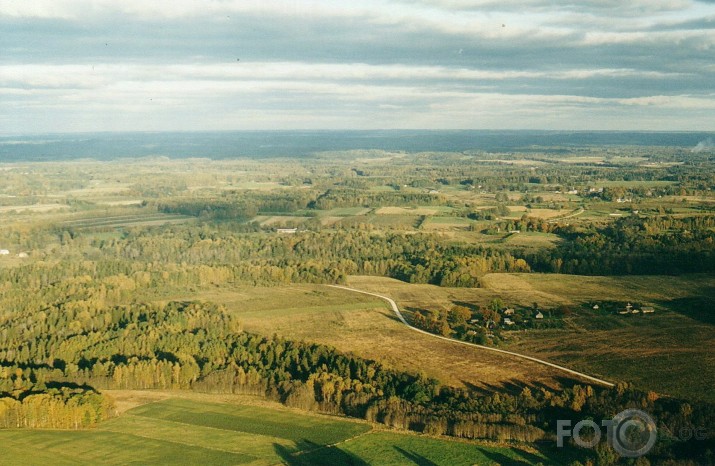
column 471, row 306
column 502, row 459
column 415, row 458
column 698, row 308
column 319, row 456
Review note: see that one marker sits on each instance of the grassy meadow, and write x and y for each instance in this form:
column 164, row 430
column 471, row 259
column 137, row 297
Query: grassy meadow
column 192, row 429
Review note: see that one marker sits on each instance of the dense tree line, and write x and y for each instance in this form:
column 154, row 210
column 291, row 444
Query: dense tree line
column 346, row 197
column 633, row 245
column 186, row 255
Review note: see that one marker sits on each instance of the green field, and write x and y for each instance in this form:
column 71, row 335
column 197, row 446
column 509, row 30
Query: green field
column 190, row 431
column 125, row 221
column 533, row 239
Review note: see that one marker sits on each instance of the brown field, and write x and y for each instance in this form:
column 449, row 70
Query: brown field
column 656, row 352
column 33, row 208
column 364, row 325
column 547, row 213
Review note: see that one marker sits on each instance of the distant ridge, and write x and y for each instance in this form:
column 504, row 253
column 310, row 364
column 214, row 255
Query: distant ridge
column 239, row 144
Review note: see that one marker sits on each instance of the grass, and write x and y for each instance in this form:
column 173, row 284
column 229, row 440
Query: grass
column 533, row 239
column 421, row 210
column 400, row 222
column 187, row 429
column 306, row 432
column 281, row 219
column 125, row 221
column 364, row 325
column 347, row 211
column 677, row 340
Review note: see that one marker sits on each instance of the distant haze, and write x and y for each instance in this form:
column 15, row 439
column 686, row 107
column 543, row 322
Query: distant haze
column 203, row 65
column 224, row 145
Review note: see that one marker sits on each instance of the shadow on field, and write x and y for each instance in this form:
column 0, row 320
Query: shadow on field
column 700, row 308
column 319, row 456
column 499, row 458
column 515, row 386
column 415, row 458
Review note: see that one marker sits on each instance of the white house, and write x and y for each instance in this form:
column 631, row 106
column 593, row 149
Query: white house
column 287, row 230
column 4, row 252
column 539, row 315
column 509, row 312
column 508, row 321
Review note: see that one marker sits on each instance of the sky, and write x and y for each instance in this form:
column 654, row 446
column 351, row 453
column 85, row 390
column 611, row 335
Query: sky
column 181, row 65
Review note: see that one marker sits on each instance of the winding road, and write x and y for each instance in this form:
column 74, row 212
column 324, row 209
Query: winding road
column 399, row 315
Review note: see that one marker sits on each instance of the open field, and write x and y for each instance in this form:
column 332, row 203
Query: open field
column 347, row 211
column 365, row 326
column 187, row 428
column 533, row 239
column 271, row 220
column 126, row 221
column 36, row 208
column 442, row 223
column 658, row 351
column 546, row 213
column 424, row 210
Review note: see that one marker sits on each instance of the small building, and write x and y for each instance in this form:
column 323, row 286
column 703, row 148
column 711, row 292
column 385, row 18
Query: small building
column 4, row 252
column 539, row 315
column 287, row 230
column 647, row 310
column 508, row 321
column 595, row 307
column 509, row 312
column 23, row 255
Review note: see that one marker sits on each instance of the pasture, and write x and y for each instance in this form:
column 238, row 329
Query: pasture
column 655, row 352
column 186, row 428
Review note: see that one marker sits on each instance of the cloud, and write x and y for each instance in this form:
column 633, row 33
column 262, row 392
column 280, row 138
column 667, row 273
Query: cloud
column 426, row 63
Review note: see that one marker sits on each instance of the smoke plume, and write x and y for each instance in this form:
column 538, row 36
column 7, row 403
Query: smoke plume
column 706, row 144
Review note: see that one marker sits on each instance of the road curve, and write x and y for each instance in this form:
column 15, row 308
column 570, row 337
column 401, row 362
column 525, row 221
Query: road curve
column 399, row 315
